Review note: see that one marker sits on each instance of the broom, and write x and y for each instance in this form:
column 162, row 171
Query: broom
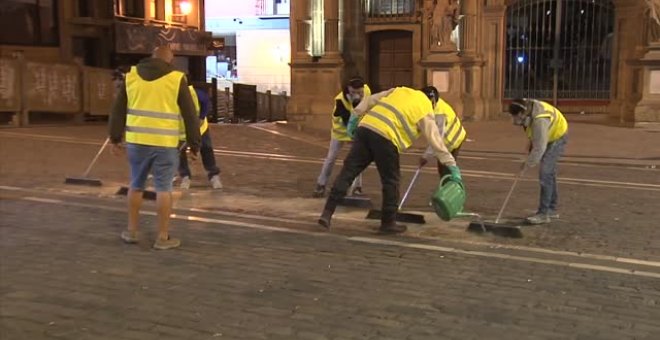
column 400, row 216
column 84, row 180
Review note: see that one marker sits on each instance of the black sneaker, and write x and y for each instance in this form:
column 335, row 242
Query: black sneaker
column 319, row 191
column 324, row 222
column 357, row 191
column 392, row 228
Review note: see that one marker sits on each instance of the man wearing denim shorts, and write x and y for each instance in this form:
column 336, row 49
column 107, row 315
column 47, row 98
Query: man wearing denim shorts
column 148, row 109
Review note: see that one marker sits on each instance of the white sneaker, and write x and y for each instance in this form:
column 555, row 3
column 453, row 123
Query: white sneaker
column 185, row 183
column 215, row 182
column 553, row 214
column 538, row 219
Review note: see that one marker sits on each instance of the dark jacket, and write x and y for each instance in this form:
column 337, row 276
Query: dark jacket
column 204, row 102
column 151, row 69
column 341, row 110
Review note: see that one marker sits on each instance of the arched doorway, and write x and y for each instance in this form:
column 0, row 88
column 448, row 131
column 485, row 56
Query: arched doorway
column 559, row 57
column 390, row 59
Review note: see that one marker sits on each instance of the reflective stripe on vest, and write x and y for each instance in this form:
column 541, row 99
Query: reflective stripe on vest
column 395, row 116
column 338, row 128
column 558, row 123
column 454, row 133
column 153, row 111
column 204, row 124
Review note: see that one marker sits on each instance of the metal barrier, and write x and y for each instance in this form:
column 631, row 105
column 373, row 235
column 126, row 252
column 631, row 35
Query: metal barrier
column 28, row 87
column 565, row 56
column 250, row 106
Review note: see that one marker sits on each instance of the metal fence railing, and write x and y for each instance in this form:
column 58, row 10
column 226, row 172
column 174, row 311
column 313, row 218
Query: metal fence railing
column 390, row 10
column 243, row 104
column 559, row 49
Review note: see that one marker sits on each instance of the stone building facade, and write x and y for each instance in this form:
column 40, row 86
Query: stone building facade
column 587, row 56
column 104, row 33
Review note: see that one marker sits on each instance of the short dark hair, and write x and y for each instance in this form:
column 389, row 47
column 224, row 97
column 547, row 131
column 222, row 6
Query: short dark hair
column 518, row 106
column 356, row 82
column 431, row 92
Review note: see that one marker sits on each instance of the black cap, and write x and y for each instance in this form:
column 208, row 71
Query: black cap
column 518, row 106
column 431, row 92
column 356, row 82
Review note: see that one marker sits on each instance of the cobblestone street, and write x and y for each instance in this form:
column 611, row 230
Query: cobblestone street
column 254, row 265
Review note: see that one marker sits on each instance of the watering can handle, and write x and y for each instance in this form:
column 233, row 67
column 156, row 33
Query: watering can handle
column 442, row 180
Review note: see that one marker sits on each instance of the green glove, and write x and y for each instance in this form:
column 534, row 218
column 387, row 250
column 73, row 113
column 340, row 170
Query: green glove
column 352, row 126
column 455, row 173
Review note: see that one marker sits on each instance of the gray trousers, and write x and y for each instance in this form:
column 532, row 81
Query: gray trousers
column 329, row 163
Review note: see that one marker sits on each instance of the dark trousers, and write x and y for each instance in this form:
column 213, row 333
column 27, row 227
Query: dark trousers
column 368, row 147
column 208, row 158
column 442, row 169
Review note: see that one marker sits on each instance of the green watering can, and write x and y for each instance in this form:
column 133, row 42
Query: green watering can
column 448, row 199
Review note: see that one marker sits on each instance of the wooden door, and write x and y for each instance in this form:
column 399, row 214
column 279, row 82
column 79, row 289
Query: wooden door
column 390, row 59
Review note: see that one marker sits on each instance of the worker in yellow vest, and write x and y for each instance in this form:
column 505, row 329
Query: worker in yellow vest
column 449, row 124
column 389, row 123
column 148, row 109
column 547, row 129
column 345, row 102
column 202, row 103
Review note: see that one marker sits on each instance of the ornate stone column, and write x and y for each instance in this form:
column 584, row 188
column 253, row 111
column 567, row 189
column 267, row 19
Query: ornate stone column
column 456, row 74
column 491, row 46
column 355, row 40
column 648, row 108
column 627, row 70
column 314, row 80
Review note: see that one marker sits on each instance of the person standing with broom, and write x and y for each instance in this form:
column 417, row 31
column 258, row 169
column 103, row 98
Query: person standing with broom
column 147, row 109
column 547, row 129
column 345, row 101
column 449, row 125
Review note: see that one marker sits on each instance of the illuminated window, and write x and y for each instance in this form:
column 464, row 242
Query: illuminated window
column 317, row 34
column 180, row 10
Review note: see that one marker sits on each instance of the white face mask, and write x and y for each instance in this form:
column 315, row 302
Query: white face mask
column 521, row 120
column 354, row 98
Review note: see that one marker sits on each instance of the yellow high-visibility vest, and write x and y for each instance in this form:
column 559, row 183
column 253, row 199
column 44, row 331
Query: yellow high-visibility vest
column 153, row 111
column 558, row 123
column 395, row 116
column 204, row 124
column 455, row 134
column 338, row 128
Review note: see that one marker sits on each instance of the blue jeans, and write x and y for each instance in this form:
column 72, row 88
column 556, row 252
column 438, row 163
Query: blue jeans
column 548, row 176
column 208, row 158
column 160, row 161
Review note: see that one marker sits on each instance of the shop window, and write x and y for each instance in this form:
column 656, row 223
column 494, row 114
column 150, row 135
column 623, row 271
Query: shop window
column 156, row 10
column 132, row 8
column 24, row 22
column 180, row 10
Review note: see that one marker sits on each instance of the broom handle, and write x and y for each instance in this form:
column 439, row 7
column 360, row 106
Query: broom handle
column 506, row 200
column 89, row 168
column 409, row 187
